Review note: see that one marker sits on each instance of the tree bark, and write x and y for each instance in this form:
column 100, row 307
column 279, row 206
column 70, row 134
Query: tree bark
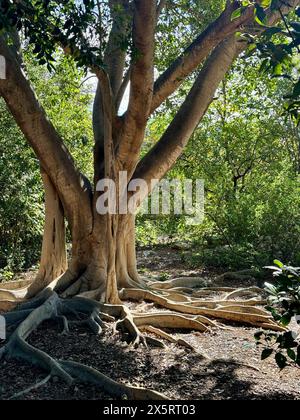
column 54, row 257
column 103, row 264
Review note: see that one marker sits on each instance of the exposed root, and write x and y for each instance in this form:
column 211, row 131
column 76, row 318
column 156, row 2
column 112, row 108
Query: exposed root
column 168, row 337
column 186, row 282
column 89, row 375
column 8, row 305
column 127, row 324
column 243, row 292
column 239, row 364
column 171, row 321
column 31, row 388
column 14, row 285
column 215, row 304
column 185, row 307
column 242, row 314
column 57, row 309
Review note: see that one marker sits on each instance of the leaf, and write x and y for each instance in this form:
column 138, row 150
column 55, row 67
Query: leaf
column 272, row 31
column 265, row 3
column 258, row 335
column 263, row 68
column 272, row 267
column 278, row 263
column 275, row 4
column 251, row 47
column 281, row 360
column 296, row 91
column 260, row 15
column 291, row 354
column 271, row 289
column 266, row 353
column 285, row 319
column 296, row 26
column 237, row 13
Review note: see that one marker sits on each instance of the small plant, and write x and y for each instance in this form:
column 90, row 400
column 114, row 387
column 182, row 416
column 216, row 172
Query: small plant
column 6, row 275
column 284, row 305
column 164, row 277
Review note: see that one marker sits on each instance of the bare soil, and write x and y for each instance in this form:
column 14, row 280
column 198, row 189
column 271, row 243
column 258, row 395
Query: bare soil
column 179, row 373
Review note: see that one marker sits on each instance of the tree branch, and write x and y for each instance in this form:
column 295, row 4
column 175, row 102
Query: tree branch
column 123, row 88
column 42, row 136
column 114, row 63
column 142, row 79
column 195, row 54
column 169, row 148
column 115, row 55
column 161, row 5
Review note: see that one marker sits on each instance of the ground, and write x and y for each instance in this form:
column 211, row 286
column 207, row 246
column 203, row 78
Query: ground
column 175, row 371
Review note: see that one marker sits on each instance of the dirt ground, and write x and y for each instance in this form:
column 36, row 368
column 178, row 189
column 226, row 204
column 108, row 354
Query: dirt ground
column 233, row 371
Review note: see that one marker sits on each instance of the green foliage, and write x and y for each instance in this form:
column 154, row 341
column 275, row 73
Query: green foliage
column 47, row 24
column 180, row 22
column 279, row 50
column 284, row 305
column 247, row 153
column 21, row 210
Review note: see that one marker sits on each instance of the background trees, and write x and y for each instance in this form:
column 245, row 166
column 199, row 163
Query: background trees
column 248, row 159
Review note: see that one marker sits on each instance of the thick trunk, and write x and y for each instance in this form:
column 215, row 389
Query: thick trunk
column 99, row 263
column 54, row 258
column 126, row 263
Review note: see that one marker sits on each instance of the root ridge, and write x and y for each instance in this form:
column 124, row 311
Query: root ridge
column 57, row 309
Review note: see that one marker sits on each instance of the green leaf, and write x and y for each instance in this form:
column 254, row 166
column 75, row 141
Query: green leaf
column 251, row 47
column 266, row 353
column 265, row 3
column 296, row 91
column 278, row 263
column 258, row 335
column 237, row 13
column 291, row 354
column 285, row 319
column 260, row 15
column 281, row 360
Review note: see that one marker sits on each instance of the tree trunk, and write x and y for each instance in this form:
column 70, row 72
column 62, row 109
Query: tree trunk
column 126, row 263
column 54, row 258
column 100, row 262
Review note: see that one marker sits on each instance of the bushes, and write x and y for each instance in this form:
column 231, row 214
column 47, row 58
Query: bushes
column 284, row 298
column 248, row 159
column 21, row 205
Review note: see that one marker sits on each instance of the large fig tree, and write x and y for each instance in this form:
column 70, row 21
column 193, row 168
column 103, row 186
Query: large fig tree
column 119, row 42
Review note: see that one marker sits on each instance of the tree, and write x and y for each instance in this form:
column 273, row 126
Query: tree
column 251, row 143
column 114, row 40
